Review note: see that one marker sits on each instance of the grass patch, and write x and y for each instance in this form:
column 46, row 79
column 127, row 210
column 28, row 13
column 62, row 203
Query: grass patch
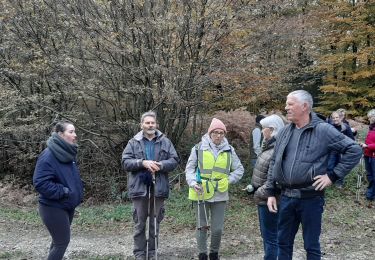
column 12, row 255
column 105, row 216
column 179, row 211
column 241, row 213
column 26, row 215
column 87, row 256
column 101, row 214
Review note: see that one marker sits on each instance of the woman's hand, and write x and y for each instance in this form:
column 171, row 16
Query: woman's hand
column 198, row 188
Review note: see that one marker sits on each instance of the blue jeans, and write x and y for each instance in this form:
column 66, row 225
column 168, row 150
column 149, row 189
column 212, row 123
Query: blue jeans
column 268, row 230
column 292, row 213
column 370, row 169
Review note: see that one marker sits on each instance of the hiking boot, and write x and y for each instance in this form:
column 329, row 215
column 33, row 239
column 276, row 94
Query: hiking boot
column 214, row 256
column 203, row 256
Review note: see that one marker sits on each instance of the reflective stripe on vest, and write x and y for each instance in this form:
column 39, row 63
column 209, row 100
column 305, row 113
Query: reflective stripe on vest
column 214, row 174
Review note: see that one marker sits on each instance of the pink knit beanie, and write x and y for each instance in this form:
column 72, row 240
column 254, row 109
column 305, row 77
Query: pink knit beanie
column 216, row 124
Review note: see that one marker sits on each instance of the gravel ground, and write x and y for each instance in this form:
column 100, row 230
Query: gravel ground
column 20, row 241
column 347, row 233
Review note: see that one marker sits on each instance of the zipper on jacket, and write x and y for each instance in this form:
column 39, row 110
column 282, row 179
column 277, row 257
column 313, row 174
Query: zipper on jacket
column 295, row 154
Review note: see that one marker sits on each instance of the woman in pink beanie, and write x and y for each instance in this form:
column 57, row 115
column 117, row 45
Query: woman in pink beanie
column 212, row 166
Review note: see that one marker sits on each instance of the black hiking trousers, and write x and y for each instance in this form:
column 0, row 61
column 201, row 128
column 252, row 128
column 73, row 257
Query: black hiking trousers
column 58, row 223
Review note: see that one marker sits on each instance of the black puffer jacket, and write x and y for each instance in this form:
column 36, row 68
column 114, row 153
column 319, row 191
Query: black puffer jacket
column 260, row 171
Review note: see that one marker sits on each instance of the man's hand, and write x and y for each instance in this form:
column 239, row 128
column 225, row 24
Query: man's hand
column 272, row 204
column 152, row 166
column 322, row 181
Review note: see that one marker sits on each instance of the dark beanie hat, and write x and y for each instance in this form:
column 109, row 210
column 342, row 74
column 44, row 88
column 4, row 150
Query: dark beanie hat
column 258, row 118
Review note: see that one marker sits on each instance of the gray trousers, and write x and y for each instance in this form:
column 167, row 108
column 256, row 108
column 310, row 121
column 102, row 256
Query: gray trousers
column 140, row 214
column 215, row 211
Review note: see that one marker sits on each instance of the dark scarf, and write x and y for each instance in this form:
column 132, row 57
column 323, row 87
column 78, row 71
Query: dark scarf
column 372, row 126
column 268, row 144
column 63, row 151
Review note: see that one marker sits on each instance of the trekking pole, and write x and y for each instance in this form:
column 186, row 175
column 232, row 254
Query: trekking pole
column 207, row 227
column 199, row 213
column 155, row 220
column 359, row 179
column 201, row 202
column 148, row 222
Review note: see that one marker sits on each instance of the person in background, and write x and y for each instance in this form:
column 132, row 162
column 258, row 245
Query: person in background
column 212, row 166
column 342, row 113
column 149, row 154
column 58, row 182
column 256, row 140
column 369, row 157
column 299, row 168
column 334, row 157
column 271, row 125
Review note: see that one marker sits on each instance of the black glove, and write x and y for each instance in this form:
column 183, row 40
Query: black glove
column 145, row 177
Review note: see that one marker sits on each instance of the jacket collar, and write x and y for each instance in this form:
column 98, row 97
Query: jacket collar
column 207, row 144
column 267, row 145
column 314, row 121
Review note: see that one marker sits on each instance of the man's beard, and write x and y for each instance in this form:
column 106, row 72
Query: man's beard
column 150, row 131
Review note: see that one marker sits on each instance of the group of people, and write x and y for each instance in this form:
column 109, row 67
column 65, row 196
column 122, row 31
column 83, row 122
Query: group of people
column 289, row 178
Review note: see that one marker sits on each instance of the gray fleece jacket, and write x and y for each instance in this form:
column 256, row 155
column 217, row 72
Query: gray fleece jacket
column 310, row 158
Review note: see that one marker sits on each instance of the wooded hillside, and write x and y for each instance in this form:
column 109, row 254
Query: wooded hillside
column 102, row 63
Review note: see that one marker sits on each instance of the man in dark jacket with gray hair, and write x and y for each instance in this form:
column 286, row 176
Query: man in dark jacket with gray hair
column 148, row 156
column 299, row 167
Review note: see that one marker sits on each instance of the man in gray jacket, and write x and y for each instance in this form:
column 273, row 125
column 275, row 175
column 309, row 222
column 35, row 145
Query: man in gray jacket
column 148, row 155
column 299, row 167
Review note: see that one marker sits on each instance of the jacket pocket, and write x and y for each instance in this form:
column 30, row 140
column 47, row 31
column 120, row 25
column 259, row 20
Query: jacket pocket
column 163, row 154
column 70, row 202
column 305, row 178
column 136, row 187
column 135, row 215
column 223, row 185
column 162, row 185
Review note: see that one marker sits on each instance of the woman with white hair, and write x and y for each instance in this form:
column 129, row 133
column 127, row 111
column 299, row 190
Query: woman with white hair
column 271, row 126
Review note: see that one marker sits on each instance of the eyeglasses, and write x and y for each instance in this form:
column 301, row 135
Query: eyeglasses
column 218, row 133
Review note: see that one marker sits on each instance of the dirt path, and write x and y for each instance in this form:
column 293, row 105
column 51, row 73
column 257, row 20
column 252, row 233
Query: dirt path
column 31, row 242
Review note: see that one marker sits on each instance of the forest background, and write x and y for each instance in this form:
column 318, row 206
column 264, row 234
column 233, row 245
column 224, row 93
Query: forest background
column 101, row 64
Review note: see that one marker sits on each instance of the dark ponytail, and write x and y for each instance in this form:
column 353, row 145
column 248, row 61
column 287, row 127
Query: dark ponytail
column 60, row 126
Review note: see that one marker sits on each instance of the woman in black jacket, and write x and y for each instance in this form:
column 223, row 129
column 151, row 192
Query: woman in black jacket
column 334, row 157
column 271, row 125
column 57, row 180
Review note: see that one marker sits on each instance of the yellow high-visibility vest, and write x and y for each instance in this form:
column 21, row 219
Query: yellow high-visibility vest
column 214, row 174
